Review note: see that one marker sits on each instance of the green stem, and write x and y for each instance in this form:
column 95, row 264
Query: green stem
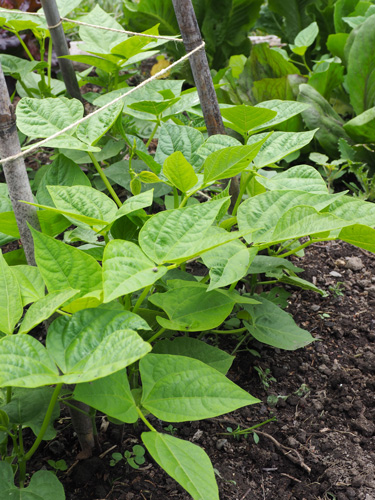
column 23, row 45
column 128, row 302
column 153, row 133
column 184, row 201
column 227, row 332
column 45, row 423
column 157, row 334
column 9, row 394
column 183, row 266
column 21, row 460
column 176, row 198
column 142, row 417
column 63, row 313
column 245, row 179
column 239, row 344
column 205, row 279
column 233, row 286
column 301, row 247
column 271, row 282
column 305, row 63
column 25, row 88
column 75, row 408
column 104, row 179
column 141, row 298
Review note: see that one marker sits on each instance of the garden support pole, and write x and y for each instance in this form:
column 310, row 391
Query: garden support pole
column 192, row 38
column 60, row 45
column 15, row 173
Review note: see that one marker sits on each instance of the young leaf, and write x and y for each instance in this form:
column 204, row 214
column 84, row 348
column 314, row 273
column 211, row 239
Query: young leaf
column 11, row 307
column 299, row 178
column 284, row 109
column 111, row 395
column 178, row 138
column 92, row 130
column 127, row 269
column 63, row 266
column 44, row 308
column 245, row 118
column 305, row 39
column 179, row 172
column 135, row 203
column 94, row 343
column 193, row 348
column 359, row 235
column 31, row 283
column 186, row 462
column 179, row 389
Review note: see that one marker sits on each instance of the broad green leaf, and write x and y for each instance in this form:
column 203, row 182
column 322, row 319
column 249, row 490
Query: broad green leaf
column 100, row 42
column 94, row 343
column 87, row 301
column 228, row 263
column 343, row 8
column 360, row 79
column 263, row 212
column 66, row 142
column 99, row 63
column 84, row 201
column 229, row 162
column 153, row 107
column 43, row 484
column 28, row 408
column 179, row 172
column 215, row 143
column 61, row 172
column 326, row 77
column 245, row 118
column 18, row 67
column 11, row 307
column 63, row 266
column 174, row 138
column 126, row 269
column 197, row 349
column 52, row 223
column 110, row 395
column 8, row 224
column 271, row 325
column 352, row 209
column 295, row 14
column 299, row 178
column 177, row 235
column 279, row 145
column 179, row 389
column 44, row 117
column 362, row 127
column 25, row 362
column 305, row 38
column 93, row 129
column 301, row 283
column 31, row 283
column 359, row 235
column 44, row 308
column 186, row 462
column 284, row 110
column 336, row 44
column 135, row 203
column 191, row 307
column 271, row 265
column 134, row 45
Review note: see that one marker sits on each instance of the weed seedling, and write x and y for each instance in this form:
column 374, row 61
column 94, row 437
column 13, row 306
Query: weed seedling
column 172, row 430
column 265, row 376
column 58, row 465
column 337, row 289
column 134, row 458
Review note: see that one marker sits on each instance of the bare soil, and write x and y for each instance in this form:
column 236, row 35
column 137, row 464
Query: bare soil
column 321, row 445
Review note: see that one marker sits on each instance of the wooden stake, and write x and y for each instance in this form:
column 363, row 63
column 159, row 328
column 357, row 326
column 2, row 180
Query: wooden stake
column 15, row 173
column 51, row 12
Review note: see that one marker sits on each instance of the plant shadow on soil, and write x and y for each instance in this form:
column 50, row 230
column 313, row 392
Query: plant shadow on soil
column 322, row 445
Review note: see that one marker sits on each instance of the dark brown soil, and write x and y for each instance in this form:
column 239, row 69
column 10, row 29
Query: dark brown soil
column 322, row 444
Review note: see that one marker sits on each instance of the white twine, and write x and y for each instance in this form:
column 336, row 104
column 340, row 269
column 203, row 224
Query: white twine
column 82, row 23
column 85, row 118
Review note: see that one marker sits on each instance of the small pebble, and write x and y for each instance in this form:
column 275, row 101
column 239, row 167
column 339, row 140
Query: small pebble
column 315, row 307
column 220, row 443
column 335, row 274
column 354, row 263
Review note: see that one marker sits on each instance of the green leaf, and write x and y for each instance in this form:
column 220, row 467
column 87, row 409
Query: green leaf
column 44, row 308
column 359, row 235
column 31, row 283
column 193, row 348
column 94, row 343
column 153, row 107
column 8, row 224
column 299, row 178
column 126, row 269
column 228, row 263
column 11, row 307
column 271, row 265
column 245, row 118
column 52, row 223
column 177, row 235
column 215, row 143
column 174, row 138
column 18, row 67
column 279, row 145
column 362, row 127
column 135, row 203
column 301, row 283
column 63, row 266
column 273, row 326
column 44, row 117
column 354, row 210
column 28, row 408
column 84, row 204
column 263, row 212
column 360, row 79
column 93, row 129
column 305, row 39
column 25, row 362
column 343, row 8
column 284, row 109
column 186, row 462
column 178, row 389
column 110, row 395
column 295, row 14
column 229, row 162
column 191, row 307
column 43, row 484
column 327, row 77
column 336, row 44
column 179, row 172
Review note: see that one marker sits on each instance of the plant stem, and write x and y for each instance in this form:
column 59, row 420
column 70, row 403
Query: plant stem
column 233, row 286
column 49, row 69
column 176, row 198
column 9, row 394
column 25, row 48
column 227, row 332
column 157, row 334
column 239, row 344
column 45, row 423
column 301, row 247
column 183, row 202
column 245, row 179
column 21, row 460
column 142, row 417
column 104, row 179
column 153, row 133
column 141, row 298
